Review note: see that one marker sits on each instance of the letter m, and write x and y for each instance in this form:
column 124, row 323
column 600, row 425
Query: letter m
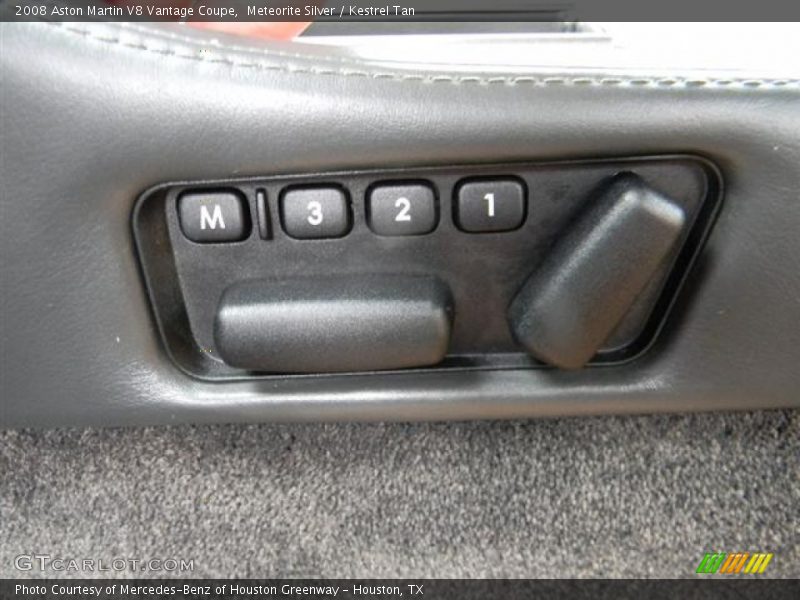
column 213, row 219
column 711, row 562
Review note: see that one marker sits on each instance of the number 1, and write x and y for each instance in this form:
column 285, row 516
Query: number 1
column 490, row 200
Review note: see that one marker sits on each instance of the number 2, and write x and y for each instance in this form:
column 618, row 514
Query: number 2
column 315, row 210
column 490, row 200
column 404, row 205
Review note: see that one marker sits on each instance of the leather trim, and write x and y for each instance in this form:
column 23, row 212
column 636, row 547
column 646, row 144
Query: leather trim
column 153, row 40
column 87, row 125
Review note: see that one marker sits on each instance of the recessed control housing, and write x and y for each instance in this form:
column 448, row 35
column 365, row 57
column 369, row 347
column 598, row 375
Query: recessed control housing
column 489, row 229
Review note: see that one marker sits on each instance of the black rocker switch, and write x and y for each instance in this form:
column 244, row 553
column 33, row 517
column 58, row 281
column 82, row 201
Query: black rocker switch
column 335, row 324
column 572, row 303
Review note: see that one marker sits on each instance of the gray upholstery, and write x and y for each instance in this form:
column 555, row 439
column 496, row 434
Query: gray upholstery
column 109, row 110
column 94, row 114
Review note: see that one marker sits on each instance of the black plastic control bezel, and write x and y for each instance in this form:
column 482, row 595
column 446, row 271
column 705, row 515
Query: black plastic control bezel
column 184, row 279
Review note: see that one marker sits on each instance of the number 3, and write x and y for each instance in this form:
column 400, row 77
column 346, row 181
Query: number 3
column 315, row 210
column 404, row 205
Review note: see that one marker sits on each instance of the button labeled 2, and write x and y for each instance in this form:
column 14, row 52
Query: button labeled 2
column 490, row 205
column 401, row 209
column 315, row 212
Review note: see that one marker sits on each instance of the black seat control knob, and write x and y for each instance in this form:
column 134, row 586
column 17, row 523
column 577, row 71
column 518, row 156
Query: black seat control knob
column 573, row 302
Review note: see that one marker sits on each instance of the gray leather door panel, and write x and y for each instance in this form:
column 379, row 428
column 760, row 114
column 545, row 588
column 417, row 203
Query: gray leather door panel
column 92, row 115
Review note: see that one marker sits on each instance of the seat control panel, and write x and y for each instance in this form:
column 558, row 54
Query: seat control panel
column 564, row 264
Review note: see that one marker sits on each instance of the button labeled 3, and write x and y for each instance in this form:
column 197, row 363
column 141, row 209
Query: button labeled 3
column 213, row 217
column 490, row 205
column 313, row 213
column 401, row 209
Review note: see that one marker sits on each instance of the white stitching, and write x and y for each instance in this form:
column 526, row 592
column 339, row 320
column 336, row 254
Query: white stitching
column 566, row 80
column 272, row 53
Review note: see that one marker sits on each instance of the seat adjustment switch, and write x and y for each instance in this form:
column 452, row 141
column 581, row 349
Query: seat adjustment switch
column 587, row 283
column 336, row 324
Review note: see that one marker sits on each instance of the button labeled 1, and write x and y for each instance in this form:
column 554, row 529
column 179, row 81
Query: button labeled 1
column 401, row 209
column 315, row 212
column 213, row 217
column 490, row 205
